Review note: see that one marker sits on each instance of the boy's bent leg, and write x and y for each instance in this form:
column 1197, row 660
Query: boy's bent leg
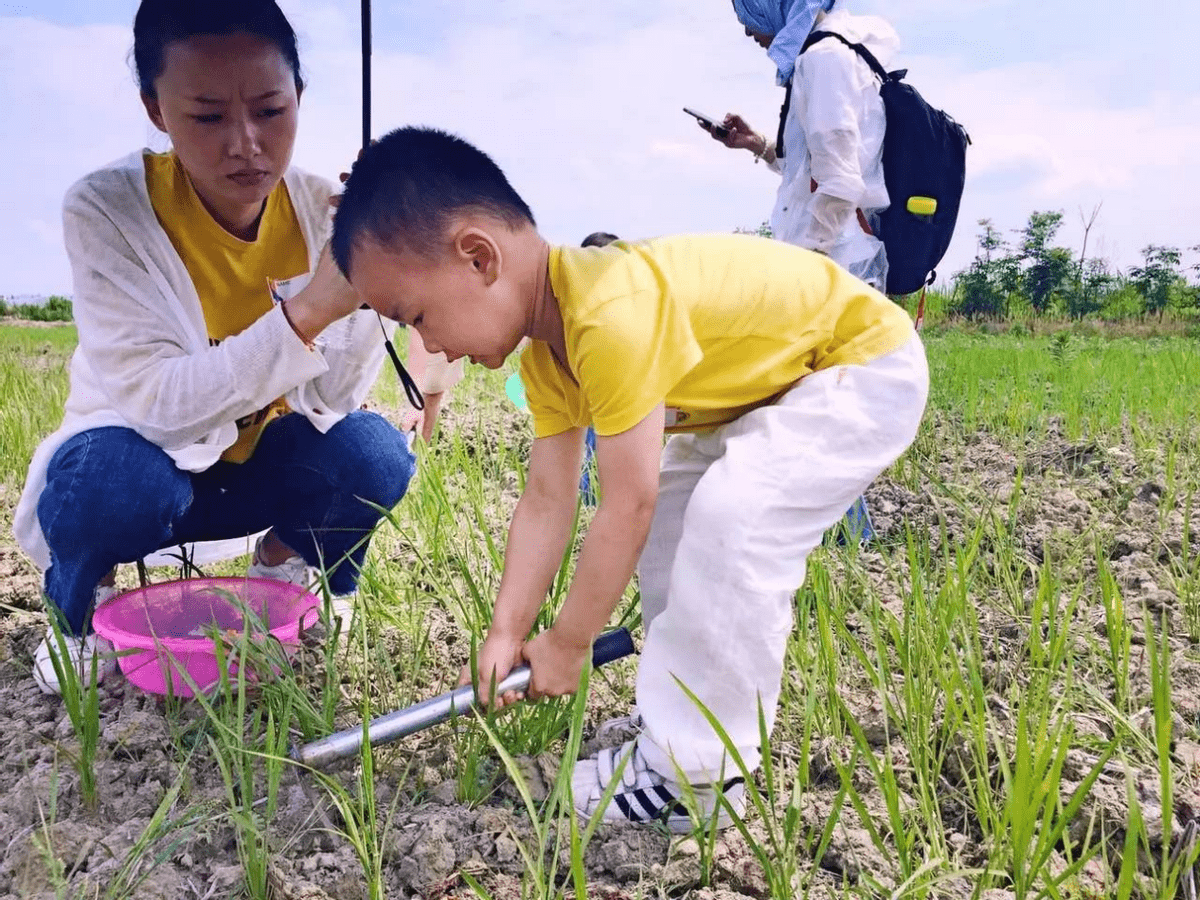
column 111, row 496
column 787, row 473
column 323, row 489
column 686, row 457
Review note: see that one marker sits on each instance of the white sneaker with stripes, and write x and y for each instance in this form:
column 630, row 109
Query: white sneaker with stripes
column 645, row 796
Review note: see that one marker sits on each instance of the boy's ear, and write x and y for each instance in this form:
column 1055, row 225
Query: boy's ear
column 478, row 248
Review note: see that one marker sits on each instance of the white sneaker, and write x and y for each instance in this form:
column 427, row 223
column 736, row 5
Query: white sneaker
column 80, row 652
column 644, row 796
column 293, row 570
column 102, row 594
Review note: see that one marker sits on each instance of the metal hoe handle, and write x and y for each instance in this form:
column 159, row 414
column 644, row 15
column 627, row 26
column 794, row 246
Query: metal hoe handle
column 403, row 722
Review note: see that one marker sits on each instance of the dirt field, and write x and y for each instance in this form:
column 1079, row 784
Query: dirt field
column 1072, row 505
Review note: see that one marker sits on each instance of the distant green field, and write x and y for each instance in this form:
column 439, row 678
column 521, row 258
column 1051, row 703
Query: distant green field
column 1098, row 387
column 33, row 383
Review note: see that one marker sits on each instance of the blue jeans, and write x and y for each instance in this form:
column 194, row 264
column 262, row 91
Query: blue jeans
column 587, row 491
column 113, row 497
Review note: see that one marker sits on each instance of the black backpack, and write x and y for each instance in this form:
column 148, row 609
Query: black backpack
column 924, row 167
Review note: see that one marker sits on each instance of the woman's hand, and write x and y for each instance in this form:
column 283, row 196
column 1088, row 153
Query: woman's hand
column 739, row 135
column 498, row 656
column 326, row 298
column 556, row 662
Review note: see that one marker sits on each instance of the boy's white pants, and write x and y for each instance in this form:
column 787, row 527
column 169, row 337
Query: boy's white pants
column 739, row 509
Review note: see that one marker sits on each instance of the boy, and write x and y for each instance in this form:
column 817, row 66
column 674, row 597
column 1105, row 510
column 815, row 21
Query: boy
column 790, row 383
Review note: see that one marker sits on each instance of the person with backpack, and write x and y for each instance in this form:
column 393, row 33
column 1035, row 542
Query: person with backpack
column 873, row 175
column 829, row 144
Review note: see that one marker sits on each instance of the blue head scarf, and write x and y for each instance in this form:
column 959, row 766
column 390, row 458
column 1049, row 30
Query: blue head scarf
column 790, row 21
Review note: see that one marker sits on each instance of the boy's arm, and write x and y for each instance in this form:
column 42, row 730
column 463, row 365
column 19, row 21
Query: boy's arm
column 629, row 464
column 537, row 539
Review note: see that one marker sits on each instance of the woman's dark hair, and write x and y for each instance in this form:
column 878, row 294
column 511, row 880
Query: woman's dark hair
column 162, row 22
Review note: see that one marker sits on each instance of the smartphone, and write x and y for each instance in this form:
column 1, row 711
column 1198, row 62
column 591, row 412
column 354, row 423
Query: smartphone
column 709, row 122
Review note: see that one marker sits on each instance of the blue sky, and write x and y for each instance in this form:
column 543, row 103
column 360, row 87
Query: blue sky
column 1076, row 105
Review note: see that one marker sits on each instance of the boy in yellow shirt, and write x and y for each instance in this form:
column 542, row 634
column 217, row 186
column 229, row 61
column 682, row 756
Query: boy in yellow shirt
column 787, row 386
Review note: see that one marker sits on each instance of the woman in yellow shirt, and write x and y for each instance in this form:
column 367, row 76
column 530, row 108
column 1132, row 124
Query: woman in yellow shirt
column 222, row 360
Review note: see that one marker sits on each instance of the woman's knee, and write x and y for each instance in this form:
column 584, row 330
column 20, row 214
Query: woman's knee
column 112, row 487
column 376, row 462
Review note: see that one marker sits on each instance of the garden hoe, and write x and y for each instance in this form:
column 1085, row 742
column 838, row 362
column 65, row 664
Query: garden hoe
column 403, row 722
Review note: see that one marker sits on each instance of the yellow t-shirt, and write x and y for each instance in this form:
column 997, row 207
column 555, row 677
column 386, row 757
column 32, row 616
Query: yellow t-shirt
column 714, row 325
column 232, row 277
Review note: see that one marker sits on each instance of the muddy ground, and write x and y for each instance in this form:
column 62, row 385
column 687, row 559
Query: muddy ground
column 1069, row 490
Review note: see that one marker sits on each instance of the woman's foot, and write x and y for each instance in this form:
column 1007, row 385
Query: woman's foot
column 80, row 653
column 276, row 561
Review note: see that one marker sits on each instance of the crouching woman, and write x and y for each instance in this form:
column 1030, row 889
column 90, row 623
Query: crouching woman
column 222, row 360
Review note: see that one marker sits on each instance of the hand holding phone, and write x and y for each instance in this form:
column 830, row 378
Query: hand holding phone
column 709, row 124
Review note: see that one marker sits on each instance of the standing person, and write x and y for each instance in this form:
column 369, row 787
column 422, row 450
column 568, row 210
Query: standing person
column 829, row 145
column 791, row 384
column 222, row 359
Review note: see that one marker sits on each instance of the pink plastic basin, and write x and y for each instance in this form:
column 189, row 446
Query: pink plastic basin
column 162, row 630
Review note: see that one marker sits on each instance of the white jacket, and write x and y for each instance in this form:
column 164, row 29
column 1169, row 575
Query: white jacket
column 144, row 360
column 833, row 135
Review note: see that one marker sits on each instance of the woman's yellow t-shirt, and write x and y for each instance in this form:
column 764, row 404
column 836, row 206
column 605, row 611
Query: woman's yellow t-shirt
column 232, row 277
column 712, row 325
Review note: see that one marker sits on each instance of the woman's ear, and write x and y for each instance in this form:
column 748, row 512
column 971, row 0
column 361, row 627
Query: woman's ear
column 154, row 111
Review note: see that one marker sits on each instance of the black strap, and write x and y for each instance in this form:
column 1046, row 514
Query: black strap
column 410, row 387
column 783, row 114
column 866, row 55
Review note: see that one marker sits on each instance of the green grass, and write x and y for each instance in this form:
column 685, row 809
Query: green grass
column 1017, row 388
column 958, row 697
column 33, row 383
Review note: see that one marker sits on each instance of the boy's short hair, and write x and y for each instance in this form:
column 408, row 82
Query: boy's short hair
column 406, row 187
column 599, row 239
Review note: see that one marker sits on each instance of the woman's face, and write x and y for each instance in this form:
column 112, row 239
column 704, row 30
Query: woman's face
column 229, row 104
column 763, row 40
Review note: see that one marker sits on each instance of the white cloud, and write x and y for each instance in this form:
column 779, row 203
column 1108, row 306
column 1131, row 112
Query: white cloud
column 1046, row 136
column 49, row 233
column 581, row 106
column 69, row 106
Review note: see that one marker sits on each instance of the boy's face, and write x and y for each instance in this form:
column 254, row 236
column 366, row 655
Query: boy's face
column 458, row 302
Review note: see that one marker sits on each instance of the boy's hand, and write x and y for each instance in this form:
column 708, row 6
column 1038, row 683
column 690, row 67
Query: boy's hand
column 497, row 657
column 556, row 662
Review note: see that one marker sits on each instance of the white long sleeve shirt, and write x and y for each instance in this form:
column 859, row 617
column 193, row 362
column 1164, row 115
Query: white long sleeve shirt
column 144, row 360
column 833, row 135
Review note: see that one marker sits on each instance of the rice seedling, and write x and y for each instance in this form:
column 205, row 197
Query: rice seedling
column 81, row 700
column 554, row 821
